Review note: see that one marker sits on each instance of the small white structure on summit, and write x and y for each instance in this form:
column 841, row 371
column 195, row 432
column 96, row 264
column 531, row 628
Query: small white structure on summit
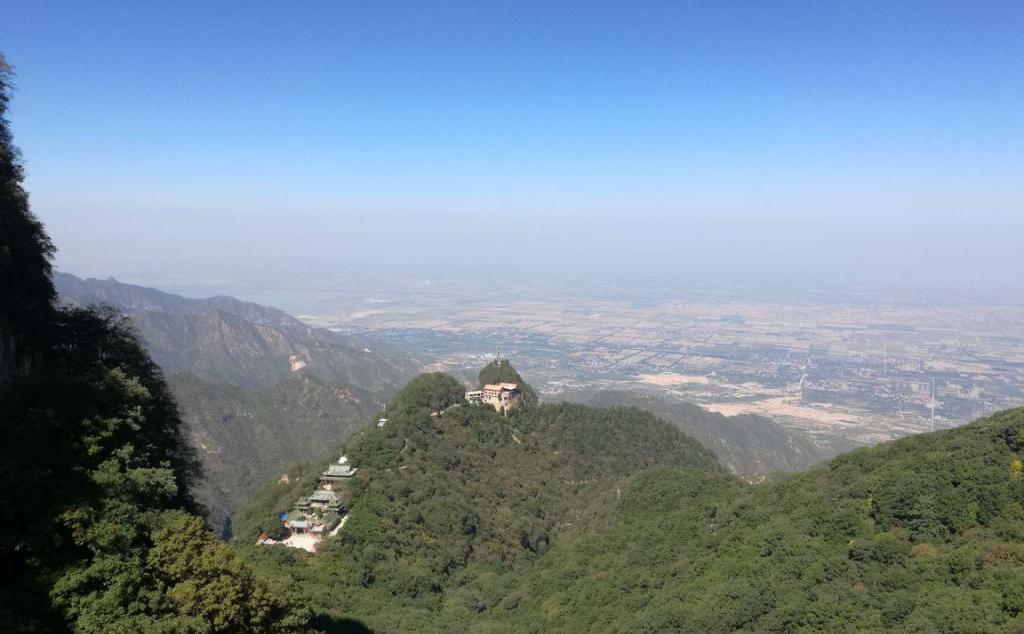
column 500, row 396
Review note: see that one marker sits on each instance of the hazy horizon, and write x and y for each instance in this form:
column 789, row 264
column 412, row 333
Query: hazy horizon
column 320, row 253
column 767, row 146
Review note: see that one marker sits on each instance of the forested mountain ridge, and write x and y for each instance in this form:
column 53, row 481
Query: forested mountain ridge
column 446, row 488
column 258, row 388
column 557, row 519
column 750, row 446
column 922, row 534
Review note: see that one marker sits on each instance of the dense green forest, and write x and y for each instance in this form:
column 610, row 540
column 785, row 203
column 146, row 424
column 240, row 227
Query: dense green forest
column 448, row 491
column 99, row 529
column 917, row 535
column 571, row 518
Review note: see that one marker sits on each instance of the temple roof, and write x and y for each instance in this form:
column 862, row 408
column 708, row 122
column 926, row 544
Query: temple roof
column 502, row 386
column 324, row 496
column 339, row 471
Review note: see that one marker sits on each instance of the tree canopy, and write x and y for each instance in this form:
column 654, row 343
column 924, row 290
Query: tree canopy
column 434, row 391
column 444, row 494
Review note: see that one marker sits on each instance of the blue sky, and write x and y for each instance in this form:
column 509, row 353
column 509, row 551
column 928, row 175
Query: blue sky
column 162, row 134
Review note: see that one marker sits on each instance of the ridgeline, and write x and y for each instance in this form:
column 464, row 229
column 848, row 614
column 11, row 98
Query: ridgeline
column 572, row 518
column 447, row 490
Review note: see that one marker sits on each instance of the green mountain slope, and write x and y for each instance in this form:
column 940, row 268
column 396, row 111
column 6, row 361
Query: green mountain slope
column 571, row 518
column 920, row 535
column 257, row 388
column 749, row 446
column 445, row 491
column 244, row 436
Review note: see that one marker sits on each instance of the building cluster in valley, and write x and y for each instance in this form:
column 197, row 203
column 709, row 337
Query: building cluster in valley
column 322, row 512
column 501, row 396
